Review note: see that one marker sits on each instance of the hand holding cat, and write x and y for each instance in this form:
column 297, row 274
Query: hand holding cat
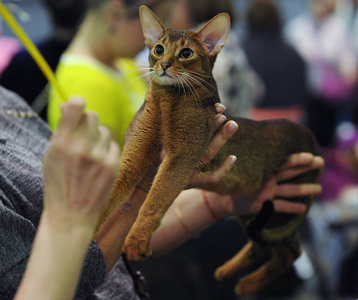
column 203, row 180
column 296, row 164
column 80, row 166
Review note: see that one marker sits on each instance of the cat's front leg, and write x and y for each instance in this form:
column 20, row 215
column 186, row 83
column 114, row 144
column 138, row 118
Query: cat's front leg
column 141, row 146
column 172, row 177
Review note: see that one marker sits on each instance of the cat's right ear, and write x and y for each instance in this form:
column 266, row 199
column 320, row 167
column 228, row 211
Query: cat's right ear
column 152, row 27
column 215, row 33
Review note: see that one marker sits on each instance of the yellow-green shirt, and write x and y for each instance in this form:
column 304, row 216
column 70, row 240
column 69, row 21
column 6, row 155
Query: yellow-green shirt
column 114, row 96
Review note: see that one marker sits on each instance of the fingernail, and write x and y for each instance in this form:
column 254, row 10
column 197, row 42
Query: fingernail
column 232, row 127
column 307, row 156
column 220, row 107
column 233, row 160
column 318, row 189
column 221, row 120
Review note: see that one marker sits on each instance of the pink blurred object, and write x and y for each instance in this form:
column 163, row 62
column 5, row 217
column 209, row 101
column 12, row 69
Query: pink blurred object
column 8, row 48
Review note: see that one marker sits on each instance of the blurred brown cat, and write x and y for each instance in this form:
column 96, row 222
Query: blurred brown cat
column 178, row 115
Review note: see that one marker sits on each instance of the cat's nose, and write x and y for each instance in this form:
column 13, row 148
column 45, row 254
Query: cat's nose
column 165, row 65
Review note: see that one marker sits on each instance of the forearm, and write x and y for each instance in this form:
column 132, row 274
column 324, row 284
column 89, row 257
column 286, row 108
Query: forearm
column 187, row 217
column 57, row 256
column 111, row 236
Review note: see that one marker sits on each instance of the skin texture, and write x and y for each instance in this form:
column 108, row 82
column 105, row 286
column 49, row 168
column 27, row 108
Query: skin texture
column 181, row 97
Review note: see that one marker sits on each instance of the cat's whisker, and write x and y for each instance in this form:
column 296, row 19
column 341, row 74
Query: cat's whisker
column 199, row 74
column 187, row 83
column 183, row 84
column 137, row 70
column 179, row 83
column 200, row 84
column 204, row 81
column 143, row 77
column 152, row 76
column 192, row 89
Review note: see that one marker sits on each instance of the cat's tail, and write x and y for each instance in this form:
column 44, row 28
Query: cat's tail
column 257, row 225
column 271, row 236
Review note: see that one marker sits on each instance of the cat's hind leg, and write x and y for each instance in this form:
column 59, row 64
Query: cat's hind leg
column 249, row 254
column 282, row 258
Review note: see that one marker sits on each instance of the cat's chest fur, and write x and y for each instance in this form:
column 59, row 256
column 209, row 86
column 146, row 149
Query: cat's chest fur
column 183, row 120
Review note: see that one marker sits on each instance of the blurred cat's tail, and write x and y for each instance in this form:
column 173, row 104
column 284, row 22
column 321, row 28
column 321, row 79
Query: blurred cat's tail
column 256, row 226
column 270, row 236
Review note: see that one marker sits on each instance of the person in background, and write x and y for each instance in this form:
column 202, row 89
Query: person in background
column 322, row 39
column 23, row 75
column 99, row 64
column 276, row 62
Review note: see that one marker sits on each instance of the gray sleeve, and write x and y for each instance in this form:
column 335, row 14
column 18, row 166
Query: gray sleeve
column 93, row 272
column 16, row 237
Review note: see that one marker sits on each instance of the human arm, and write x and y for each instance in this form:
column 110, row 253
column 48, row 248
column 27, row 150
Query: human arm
column 79, row 168
column 191, row 213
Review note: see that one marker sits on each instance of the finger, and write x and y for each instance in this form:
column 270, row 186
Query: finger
column 87, row 134
column 218, row 141
column 220, row 108
column 219, row 174
column 91, row 125
column 113, row 155
column 283, row 206
column 298, row 159
column 219, row 119
column 72, row 112
column 316, row 163
column 101, row 148
column 297, row 190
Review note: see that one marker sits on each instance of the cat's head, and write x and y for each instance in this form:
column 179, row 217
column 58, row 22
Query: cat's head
column 183, row 58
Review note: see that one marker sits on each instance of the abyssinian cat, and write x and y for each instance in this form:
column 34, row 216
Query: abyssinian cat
column 178, row 115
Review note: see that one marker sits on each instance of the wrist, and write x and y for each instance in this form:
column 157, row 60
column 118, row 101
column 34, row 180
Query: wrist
column 70, row 225
column 217, row 205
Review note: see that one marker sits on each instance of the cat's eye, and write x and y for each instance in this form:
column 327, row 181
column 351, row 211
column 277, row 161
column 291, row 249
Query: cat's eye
column 186, row 53
column 159, row 50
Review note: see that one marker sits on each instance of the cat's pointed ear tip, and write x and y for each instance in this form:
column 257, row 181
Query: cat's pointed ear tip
column 143, row 8
column 225, row 16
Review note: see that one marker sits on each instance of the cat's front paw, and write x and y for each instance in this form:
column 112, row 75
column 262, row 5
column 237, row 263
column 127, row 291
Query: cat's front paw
column 137, row 249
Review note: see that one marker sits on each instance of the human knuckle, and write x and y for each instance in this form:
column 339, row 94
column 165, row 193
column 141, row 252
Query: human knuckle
column 213, row 179
column 209, row 154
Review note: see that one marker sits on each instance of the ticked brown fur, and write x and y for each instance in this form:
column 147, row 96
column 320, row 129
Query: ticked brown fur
column 178, row 115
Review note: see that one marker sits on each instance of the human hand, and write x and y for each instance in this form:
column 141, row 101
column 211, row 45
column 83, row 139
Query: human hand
column 200, row 179
column 203, row 180
column 296, row 164
column 80, row 167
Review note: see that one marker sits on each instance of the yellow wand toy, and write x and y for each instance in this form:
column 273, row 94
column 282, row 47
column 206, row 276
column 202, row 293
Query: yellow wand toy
column 29, row 45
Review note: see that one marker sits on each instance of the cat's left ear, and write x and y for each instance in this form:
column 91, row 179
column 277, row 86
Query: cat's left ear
column 152, row 27
column 215, row 33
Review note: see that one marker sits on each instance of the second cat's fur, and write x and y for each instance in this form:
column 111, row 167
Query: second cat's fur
column 178, row 115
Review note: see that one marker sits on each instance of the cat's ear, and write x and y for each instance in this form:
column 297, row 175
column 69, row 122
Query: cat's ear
column 215, row 33
column 152, row 27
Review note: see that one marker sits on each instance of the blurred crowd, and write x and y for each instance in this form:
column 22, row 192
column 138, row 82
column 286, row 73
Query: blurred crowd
column 304, row 69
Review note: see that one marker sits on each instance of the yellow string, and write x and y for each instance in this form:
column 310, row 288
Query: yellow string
column 34, row 52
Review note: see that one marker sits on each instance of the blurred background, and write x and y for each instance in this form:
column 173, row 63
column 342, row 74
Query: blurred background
column 295, row 59
column 37, row 22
